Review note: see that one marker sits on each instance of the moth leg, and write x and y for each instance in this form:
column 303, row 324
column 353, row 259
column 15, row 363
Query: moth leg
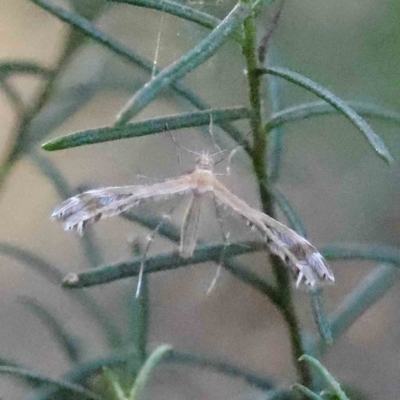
column 299, row 279
column 225, row 236
column 139, row 175
column 190, row 225
column 149, row 240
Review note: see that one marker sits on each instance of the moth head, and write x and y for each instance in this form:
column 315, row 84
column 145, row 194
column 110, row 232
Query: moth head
column 205, row 162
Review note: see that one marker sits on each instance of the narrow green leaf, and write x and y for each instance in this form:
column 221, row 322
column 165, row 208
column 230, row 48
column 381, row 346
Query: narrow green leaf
column 187, row 63
column 181, row 11
column 251, row 378
column 86, row 370
column 320, row 316
column 82, row 372
column 52, row 173
column 66, row 342
column 176, row 9
column 90, row 9
column 114, row 382
column 363, row 251
column 280, row 394
column 8, row 362
column 307, row 392
column 306, row 83
column 370, row 290
column 37, row 263
column 21, row 137
column 73, row 388
column 63, row 105
column 23, row 67
column 53, row 275
column 332, row 382
column 13, row 97
column 320, row 108
column 49, row 118
column 147, row 127
column 159, row 262
column 140, row 311
column 144, row 374
column 86, row 27
column 26, row 380
column 359, row 251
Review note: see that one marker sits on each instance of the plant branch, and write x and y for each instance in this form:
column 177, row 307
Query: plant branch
column 306, row 83
column 20, row 137
column 148, row 127
column 185, row 64
column 179, row 10
column 260, row 141
column 87, row 28
column 157, row 263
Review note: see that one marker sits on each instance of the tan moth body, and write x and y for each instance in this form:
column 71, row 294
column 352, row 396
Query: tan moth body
column 89, row 207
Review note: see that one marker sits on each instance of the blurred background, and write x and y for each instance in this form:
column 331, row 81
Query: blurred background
column 341, row 189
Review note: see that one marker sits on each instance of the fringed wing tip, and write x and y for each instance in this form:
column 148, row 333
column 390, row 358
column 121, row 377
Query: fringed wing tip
column 314, row 271
column 72, row 218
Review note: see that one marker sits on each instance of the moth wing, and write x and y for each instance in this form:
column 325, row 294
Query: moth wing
column 310, row 260
column 190, row 225
column 93, row 205
column 292, row 248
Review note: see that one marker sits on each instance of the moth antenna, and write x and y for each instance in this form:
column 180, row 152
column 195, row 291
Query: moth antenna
column 215, row 279
column 211, row 132
column 232, row 150
column 180, row 146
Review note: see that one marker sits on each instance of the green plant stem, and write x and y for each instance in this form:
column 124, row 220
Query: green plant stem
column 253, row 78
column 260, row 142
